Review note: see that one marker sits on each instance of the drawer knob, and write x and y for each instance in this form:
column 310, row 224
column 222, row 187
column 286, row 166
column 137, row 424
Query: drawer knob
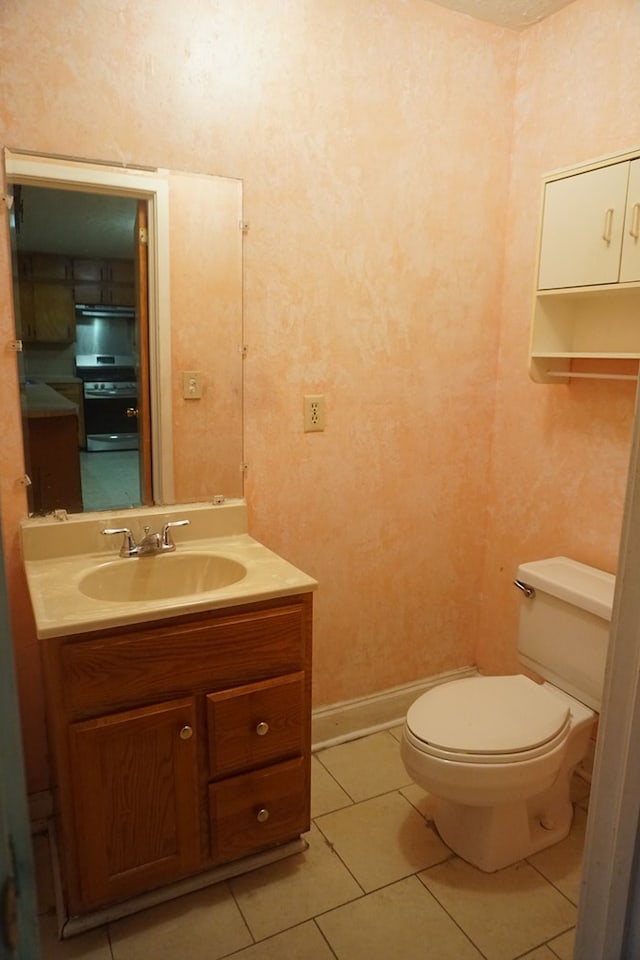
column 186, row 733
column 263, row 815
column 262, row 728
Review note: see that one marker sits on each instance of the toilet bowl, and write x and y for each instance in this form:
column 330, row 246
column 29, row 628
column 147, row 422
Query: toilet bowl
column 506, row 793
column 498, row 753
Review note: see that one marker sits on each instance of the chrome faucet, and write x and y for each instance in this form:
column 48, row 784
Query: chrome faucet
column 151, row 543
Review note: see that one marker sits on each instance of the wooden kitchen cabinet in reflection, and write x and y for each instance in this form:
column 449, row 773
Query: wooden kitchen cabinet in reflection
column 104, row 282
column 54, row 463
column 72, row 390
column 47, row 312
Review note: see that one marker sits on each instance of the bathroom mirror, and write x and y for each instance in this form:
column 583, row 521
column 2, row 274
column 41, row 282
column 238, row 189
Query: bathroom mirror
column 131, row 370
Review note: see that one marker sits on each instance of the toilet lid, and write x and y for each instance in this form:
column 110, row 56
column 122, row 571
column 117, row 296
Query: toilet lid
column 487, row 715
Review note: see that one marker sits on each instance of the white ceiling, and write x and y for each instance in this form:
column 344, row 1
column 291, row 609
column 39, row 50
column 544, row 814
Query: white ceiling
column 72, row 223
column 515, row 14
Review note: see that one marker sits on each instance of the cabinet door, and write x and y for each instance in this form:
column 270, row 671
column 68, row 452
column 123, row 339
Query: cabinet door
column 119, row 294
column 53, row 312
column 630, row 264
column 135, row 787
column 88, row 271
column 120, row 271
column 582, row 228
column 50, row 266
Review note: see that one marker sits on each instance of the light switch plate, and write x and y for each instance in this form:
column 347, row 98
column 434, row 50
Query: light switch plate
column 192, row 384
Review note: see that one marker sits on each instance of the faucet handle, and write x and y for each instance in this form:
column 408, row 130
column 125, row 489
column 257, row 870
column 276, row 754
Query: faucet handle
column 129, row 547
column 167, row 542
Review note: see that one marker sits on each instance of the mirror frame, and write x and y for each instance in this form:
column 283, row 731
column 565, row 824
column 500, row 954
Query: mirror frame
column 91, row 176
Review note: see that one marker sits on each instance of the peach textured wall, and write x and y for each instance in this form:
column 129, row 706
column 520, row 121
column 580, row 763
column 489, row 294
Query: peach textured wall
column 560, row 457
column 375, row 140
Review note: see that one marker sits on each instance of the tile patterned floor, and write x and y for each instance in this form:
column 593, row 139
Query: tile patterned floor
column 376, row 883
column 110, row 479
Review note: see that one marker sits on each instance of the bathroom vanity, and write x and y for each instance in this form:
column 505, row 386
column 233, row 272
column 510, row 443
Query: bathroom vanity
column 179, row 731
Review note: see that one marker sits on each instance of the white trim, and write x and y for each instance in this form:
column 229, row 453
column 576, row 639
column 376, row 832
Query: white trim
column 40, row 810
column 604, row 913
column 351, row 719
column 152, row 186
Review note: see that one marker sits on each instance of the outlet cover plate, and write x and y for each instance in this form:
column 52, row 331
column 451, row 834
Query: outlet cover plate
column 313, row 407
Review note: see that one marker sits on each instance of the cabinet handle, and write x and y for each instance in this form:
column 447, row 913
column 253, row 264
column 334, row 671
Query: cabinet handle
column 262, row 728
column 608, row 223
column 635, row 221
column 262, row 815
column 186, row 733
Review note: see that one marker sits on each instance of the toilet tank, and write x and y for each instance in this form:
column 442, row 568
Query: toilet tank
column 564, row 629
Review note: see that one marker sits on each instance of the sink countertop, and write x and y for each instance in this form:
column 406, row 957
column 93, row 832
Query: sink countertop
column 57, row 555
column 61, row 609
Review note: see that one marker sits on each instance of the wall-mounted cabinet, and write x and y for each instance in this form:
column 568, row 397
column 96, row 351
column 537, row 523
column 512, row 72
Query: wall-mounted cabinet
column 51, row 285
column 104, row 282
column 587, row 305
column 47, row 311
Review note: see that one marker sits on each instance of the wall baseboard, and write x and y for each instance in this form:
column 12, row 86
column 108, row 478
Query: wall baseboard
column 351, row 719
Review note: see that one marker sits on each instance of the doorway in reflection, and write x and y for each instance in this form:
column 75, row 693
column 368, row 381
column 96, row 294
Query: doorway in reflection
column 76, row 261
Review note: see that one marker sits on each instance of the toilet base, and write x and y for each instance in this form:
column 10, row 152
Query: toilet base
column 491, row 838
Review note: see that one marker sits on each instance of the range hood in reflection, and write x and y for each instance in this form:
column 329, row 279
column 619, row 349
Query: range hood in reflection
column 103, row 329
column 97, row 311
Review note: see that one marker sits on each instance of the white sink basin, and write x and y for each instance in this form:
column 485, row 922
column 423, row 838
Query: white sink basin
column 138, row 579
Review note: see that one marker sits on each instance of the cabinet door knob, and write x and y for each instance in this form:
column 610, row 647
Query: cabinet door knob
column 263, row 815
column 262, row 728
column 186, row 733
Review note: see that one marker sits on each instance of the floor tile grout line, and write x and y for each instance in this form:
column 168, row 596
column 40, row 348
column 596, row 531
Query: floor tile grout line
column 530, row 948
column 551, row 883
column 231, row 891
column 333, row 850
column 373, row 796
column 334, row 778
column 444, row 909
column 322, row 934
column 110, row 941
column 544, row 943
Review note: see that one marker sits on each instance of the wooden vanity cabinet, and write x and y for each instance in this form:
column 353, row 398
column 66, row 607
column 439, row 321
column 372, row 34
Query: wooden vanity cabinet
column 178, row 746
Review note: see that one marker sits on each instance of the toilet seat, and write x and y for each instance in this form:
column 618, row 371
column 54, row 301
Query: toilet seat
column 488, row 720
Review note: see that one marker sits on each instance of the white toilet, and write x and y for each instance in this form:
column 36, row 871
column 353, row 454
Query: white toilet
column 498, row 753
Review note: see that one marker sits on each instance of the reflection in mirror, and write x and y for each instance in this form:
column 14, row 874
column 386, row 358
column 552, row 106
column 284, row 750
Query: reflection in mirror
column 96, row 326
column 78, row 286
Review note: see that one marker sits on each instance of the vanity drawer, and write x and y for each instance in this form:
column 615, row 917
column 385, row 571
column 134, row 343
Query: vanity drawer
column 258, row 809
column 256, row 724
column 202, row 656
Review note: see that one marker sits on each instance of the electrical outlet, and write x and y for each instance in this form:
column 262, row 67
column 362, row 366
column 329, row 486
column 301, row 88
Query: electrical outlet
column 192, row 385
column 313, row 413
